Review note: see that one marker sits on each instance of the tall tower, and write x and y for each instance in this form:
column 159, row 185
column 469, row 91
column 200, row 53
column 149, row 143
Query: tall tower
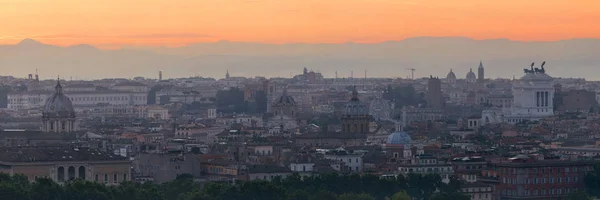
column 434, row 93
column 227, row 75
column 480, row 73
column 159, row 75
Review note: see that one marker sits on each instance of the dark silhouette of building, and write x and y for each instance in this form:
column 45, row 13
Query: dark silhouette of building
column 480, row 73
column 434, row 93
column 576, row 101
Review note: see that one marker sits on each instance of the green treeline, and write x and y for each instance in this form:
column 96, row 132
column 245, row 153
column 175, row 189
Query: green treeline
column 324, row 187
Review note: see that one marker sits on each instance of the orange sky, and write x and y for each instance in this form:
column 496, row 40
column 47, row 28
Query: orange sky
column 115, row 23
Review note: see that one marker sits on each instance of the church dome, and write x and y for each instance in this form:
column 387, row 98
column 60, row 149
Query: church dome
column 286, row 99
column 451, row 77
column 355, row 106
column 471, row 77
column 58, row 105
column 399, row 138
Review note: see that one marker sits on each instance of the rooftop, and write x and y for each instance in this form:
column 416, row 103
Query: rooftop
column 49, row 154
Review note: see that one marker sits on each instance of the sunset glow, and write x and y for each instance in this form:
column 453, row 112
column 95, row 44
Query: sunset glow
column 114, row 23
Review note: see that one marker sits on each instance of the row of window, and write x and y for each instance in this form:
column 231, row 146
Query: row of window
column 110, row 98
column 479, row 196
column 550, row 180
column 541, row 170
column 542, row 192
column 115, row 178
column 426, row 169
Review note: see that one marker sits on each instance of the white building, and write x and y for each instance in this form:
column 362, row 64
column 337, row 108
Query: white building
column 532, row 94
column 158, row 112
column 36, row 99
column 131, row 87
column 353, row 162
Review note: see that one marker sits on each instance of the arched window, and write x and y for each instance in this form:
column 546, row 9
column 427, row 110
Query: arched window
column 105, row 178
column 96, row 177
column 81, row 173
column 115, row 178
column 63, row 125
column 71, row 173
column 61, row 174
column 124, row 177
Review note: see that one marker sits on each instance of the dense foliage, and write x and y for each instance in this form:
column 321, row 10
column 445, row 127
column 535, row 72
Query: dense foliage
column 326, row 187
column 592, row 183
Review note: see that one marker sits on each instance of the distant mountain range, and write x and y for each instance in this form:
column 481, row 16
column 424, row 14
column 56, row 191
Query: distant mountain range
column 429, row 55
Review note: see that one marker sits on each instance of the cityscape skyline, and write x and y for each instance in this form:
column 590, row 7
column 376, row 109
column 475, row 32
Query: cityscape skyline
column 428, row 55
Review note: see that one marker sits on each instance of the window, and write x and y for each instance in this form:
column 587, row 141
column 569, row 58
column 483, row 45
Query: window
column 124, row 177
column 115, row 178
column 105, row 178
column 96, row 177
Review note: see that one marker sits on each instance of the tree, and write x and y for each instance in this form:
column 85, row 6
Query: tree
column 401, row 196
column 580, row 195
column 450, row 196
column 592, row 181
column 324, row 195
column 352, row 196
column 294, row 187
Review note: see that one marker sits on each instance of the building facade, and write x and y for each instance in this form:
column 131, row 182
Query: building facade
column 65, row 164
column 528, row 179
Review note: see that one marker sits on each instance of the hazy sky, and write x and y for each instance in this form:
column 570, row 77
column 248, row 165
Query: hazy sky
column 115, row 23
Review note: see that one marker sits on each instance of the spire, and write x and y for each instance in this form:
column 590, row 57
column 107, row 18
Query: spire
column 480, row 64
column 471, row 70
column 227, row 74
column 58, row 86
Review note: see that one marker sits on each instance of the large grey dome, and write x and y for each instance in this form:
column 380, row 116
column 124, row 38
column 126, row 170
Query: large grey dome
column 58, row 105
column 398, row 138
column 355, row 106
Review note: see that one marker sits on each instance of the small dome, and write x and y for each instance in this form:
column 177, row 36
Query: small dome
column 355, row 106
column 58, row 105
column 471, row 76
column 398, row 138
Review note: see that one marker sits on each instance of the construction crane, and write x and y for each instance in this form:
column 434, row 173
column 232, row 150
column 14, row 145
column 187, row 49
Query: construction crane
column 412, row 72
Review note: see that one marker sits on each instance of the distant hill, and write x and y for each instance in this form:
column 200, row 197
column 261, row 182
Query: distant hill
column 429, row 55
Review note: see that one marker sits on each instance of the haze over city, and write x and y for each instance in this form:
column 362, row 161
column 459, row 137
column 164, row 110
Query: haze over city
column 276, row 38
column 299, row 99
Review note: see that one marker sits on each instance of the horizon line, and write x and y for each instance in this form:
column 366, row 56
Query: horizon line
column 125, row 45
